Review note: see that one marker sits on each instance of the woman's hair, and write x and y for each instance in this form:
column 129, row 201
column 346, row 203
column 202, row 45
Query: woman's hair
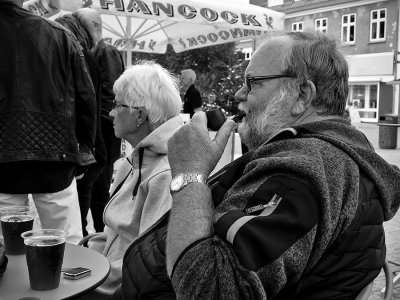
column 149, row 85
column 316, row 57
column 78, row 30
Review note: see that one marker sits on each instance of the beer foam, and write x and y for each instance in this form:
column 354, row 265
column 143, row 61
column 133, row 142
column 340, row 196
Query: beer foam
column 16, row 218
column 44, row 241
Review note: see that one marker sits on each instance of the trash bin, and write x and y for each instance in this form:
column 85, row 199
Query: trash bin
column 388, row 131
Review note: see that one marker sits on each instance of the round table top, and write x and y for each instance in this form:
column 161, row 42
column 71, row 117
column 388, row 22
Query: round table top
column 14, row 284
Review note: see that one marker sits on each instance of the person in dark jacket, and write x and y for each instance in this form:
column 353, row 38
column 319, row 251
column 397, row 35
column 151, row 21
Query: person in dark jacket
column 85, row 184
column 300, row 215
column 111, row 66
column 192, row 98
column 48, row 117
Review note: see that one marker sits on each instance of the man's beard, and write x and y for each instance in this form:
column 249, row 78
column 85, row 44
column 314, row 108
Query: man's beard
column 263, row 123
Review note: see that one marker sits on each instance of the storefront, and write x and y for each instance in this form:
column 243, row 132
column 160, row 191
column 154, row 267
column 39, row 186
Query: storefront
column 369, row 91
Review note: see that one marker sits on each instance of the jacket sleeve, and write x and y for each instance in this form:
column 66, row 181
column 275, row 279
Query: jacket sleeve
column 255, row 246
column 85, row 106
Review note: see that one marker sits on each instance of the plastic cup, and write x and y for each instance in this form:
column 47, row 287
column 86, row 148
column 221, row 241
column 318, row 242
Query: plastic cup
column 44, row 257
column 14, row 221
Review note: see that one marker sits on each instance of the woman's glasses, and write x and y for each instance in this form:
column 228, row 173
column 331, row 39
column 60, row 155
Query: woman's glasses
column 116, row 105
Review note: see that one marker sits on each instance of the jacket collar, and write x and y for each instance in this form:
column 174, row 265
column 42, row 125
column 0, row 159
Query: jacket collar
column 157, row 140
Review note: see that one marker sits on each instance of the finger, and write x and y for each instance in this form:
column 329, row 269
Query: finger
column 224, row 133
column 200, row 119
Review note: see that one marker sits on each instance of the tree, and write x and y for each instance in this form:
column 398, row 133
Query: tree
column 219, row 71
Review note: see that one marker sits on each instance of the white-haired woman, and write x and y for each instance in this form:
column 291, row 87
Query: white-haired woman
column 146, row 114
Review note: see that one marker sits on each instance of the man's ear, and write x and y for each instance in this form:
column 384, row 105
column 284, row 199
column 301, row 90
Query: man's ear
column 306, row 96
column 142, row 116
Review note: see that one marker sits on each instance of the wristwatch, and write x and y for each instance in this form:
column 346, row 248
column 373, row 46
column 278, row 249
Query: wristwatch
column 181, row 180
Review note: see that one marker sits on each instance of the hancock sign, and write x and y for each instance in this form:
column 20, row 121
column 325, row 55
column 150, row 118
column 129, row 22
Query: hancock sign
column 149, row 26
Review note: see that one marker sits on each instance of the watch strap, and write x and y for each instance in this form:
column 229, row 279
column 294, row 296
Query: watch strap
column 190, row 178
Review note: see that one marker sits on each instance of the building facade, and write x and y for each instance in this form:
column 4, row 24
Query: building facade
column 367, row 32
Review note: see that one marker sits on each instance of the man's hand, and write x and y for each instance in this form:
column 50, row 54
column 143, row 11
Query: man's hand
column 191, row 150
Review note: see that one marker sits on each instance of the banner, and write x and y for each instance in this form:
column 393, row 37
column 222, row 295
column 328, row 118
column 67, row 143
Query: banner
column 191, row 11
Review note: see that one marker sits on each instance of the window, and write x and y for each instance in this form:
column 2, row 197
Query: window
column 364, row 98
column 247, row 53
column 275, row 2
column 349, row 28
column 297, row 26
column 378, row 25
column 321, row 25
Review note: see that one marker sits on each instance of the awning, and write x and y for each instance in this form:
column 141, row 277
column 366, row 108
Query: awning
column 393, row 82
column 372, row 78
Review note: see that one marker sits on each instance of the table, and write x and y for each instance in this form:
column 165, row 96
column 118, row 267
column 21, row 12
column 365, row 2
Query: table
column 14, row 284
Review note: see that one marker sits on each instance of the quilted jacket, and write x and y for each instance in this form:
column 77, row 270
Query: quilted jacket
column 47, row 100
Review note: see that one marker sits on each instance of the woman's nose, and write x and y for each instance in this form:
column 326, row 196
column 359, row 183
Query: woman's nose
column 111, row 113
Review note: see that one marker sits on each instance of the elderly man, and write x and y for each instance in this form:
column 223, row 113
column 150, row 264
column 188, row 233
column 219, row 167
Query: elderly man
column 192, row 99
column 300, row 215
column 111, row 65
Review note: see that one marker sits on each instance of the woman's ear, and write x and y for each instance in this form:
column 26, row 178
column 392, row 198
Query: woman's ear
column 306, row 96
column 142, row 116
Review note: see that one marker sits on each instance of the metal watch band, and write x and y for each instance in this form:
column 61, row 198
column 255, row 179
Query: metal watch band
column 182, row 180
column 194, row 178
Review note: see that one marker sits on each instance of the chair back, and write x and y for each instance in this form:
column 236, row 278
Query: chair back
column 388, row 290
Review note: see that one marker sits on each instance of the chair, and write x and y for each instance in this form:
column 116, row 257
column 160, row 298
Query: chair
column 83, row 241
column 396, row 280
column 387, row 291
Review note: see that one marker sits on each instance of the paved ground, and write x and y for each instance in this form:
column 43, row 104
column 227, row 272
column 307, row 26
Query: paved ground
column 392, row 227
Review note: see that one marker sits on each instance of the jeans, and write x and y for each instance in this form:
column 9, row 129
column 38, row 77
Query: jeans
column 58, row 210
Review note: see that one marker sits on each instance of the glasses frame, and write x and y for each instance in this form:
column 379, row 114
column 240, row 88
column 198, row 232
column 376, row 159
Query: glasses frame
column 123, row 105
column 250, row 79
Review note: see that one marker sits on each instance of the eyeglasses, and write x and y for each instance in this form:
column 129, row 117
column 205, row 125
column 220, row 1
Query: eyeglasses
column 249, row 80
column 122, row 105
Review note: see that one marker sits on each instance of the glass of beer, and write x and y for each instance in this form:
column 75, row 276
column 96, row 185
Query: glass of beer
column 14, row 221
column 44, row 256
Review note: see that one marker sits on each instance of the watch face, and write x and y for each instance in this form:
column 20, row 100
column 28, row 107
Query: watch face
column 176, row 183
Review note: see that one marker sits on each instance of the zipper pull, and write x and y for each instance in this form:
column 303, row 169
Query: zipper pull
column 271, row 204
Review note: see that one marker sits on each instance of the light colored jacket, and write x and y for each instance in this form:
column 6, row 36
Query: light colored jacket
column 127, row 216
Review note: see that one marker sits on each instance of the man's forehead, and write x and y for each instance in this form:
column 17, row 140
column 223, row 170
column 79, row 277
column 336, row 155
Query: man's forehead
column 268, row 58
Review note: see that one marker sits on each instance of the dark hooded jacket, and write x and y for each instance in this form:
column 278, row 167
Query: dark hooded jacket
column 302, row 220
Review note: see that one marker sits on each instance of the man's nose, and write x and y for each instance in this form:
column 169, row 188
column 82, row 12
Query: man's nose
column 111, row 113
column 241, row 95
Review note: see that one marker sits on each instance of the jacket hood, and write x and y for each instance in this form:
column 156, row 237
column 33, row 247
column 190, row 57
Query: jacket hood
column 355, row 144
column 157, row 141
